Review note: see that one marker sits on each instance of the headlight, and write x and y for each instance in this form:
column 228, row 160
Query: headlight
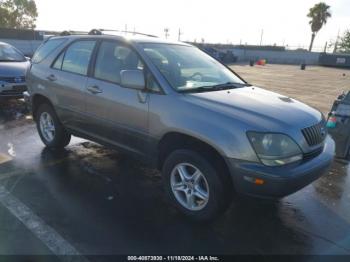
column 275, row 149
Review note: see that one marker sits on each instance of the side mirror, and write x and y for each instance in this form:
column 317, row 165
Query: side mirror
column 133, row 79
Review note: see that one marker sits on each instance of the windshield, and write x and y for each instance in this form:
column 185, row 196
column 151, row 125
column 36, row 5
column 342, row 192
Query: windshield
column 9, row 53
column 187, row 68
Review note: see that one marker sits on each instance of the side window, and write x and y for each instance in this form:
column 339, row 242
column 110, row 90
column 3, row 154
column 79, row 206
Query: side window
column 114, row 57
column 45, row 49
column 77, row 57
column 58, row 62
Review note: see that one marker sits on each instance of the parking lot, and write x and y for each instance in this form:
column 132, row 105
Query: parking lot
column 316, row 86
column 90, row 200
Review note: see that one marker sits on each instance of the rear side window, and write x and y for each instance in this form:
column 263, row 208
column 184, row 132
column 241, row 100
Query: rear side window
column 45, row 49
column 77, row 57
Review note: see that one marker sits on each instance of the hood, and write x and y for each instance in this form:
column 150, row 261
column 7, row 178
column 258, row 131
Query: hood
column 10, row 69
column 268, row 111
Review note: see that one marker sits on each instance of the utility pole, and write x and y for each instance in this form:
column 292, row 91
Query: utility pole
column 261, row 37
column 336, row 43
column 166, row 31
column 179, row 36
column 325, row 47
column 126, row 28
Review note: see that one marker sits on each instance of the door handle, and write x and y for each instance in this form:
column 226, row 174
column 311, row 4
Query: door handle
column 52, row 78
column 94, row 90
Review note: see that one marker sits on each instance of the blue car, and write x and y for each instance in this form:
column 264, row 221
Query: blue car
column 13, row 67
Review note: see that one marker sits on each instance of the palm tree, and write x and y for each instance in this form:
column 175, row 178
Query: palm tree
column 319, row 14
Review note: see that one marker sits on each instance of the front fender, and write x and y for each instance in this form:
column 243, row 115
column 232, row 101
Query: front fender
column 226, row 135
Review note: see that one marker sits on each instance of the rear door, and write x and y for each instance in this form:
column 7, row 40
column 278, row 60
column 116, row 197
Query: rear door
column 68, row 76
column 117, row 114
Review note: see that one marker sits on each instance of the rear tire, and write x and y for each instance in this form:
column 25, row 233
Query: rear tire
column 202, row 199
column 50, row 129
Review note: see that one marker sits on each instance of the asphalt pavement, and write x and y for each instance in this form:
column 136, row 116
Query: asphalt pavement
column 89, row 200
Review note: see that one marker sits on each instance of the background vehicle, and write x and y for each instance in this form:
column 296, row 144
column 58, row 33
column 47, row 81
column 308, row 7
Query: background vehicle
column 223, row 56
column 211, row 133
column 13, row 67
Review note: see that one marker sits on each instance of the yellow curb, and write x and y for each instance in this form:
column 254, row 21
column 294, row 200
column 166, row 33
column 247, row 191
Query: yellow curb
column 4, row 158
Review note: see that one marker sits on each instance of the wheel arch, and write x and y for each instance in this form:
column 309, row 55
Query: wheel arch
column 175, row 140
column 38, row 100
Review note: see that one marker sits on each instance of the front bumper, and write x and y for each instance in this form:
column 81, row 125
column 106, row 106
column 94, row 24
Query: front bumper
column 279, row 181
column 9, row 90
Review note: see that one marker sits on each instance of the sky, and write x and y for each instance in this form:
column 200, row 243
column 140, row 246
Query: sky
column 283, row 22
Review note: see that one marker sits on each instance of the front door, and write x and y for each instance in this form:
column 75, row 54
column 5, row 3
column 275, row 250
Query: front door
column 118, row 115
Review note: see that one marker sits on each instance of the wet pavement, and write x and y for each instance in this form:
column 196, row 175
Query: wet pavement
column 95, row 201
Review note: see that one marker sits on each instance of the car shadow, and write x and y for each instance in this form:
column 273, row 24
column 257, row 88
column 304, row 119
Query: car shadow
column 127, row 200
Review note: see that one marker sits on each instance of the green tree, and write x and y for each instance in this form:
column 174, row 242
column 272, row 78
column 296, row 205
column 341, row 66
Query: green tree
column 319, row 15
column 18, row 14
column 344, row 44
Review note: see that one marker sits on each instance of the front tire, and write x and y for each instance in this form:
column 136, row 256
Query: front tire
column 50, row 129
column 194, row 185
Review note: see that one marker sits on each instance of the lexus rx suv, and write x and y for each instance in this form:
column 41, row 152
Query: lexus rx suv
column 13, row 67
column 212, row 135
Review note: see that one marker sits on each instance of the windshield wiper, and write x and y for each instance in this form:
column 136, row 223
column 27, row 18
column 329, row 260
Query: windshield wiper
column 228, row 85
column 195, row 90
column 225, row 86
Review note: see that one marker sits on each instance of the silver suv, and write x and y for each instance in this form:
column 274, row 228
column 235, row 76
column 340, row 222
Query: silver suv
column 212, row 135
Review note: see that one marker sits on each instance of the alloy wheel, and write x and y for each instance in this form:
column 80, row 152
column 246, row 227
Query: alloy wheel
column 189, row 186
column 47, row 127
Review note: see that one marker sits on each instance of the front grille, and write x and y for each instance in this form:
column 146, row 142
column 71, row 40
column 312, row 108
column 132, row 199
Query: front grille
column 315, row 135
column 13, row 80
column 310, row 155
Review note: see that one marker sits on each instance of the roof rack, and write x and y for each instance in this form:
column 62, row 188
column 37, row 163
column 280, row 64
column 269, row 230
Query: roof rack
column 126, row 32
column 100, row 32
column 70, row 32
